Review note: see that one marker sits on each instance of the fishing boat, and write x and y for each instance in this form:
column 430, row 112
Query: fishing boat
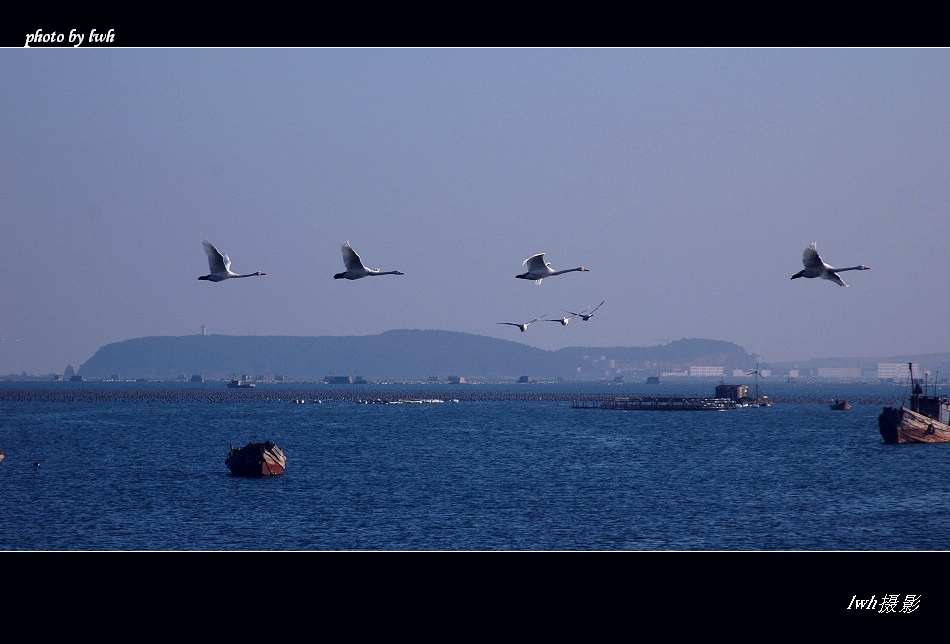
column 256, row 459
column 840, row 405
column 926, row 420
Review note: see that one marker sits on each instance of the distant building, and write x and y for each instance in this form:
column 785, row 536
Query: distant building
column 344, row 380
column 523, row 379
column 456, row 380
column 741, row 373
column 197, row 378
column 705, row 372
column 896, row 372
column 849, row 373
column 653, row 380
column 732, row 392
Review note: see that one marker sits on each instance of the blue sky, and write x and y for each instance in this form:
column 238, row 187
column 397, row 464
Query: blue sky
column 688, row 181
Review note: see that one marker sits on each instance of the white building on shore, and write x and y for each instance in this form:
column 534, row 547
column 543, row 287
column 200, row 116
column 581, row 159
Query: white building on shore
column 898, row 372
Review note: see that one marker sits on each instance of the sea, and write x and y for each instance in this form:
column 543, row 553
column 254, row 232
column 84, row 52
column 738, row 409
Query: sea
column 140, row 466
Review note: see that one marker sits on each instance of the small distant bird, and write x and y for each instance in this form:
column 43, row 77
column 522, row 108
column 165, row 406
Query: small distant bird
column 585, row 314
column 538, row 269
column 355, row 268
column 816, row 267
column 220, row 265
column 524, row 325
column 562, row 321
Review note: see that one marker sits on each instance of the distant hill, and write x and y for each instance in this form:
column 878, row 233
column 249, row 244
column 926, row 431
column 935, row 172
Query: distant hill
column 395, row 355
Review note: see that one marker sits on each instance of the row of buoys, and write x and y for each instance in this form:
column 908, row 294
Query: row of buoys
column 361, row 396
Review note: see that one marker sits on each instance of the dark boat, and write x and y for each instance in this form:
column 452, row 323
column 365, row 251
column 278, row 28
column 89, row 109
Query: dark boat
column 256, row 459
column 840, row 405
column 240, row 384
column 926, row 420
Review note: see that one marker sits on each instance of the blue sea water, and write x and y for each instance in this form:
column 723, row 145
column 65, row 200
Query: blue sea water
column 102, row 466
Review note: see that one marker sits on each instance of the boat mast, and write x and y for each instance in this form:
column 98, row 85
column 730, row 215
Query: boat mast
column 915, row 390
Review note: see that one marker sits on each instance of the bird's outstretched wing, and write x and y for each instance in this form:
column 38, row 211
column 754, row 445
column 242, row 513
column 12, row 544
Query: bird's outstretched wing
column 811, row 258
column 351, row 258
column 536, row 262
column 218, row 262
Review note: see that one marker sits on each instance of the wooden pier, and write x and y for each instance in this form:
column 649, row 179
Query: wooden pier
column 657, row 403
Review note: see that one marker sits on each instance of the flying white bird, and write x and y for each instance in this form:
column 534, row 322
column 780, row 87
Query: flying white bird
column 585, row 315
column 538, row 269
column 562, row 321
column 220, row 265
column 816, row 267
column 355, row 268
column 524, row 325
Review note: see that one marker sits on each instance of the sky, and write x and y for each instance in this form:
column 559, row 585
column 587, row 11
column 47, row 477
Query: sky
column 688, row 181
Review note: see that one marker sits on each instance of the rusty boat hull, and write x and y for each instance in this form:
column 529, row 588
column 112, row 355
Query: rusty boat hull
column 926, row 419
column 256, row 459
column 903, row 425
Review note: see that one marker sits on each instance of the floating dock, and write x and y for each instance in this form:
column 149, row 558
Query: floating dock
column 658, row 403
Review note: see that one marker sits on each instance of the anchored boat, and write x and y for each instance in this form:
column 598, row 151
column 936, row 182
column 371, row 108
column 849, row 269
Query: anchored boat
column 256, row 459
column 926, row 420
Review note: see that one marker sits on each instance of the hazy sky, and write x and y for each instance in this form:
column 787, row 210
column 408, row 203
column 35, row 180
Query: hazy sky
column 688, row 181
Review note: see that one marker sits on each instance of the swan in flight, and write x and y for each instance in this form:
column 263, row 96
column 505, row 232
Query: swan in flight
column 585, row 315
column 220, row 265
column 538, row 269
column 355, row 268
column 524, row 325
column 562, row 321
column 816, row 267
